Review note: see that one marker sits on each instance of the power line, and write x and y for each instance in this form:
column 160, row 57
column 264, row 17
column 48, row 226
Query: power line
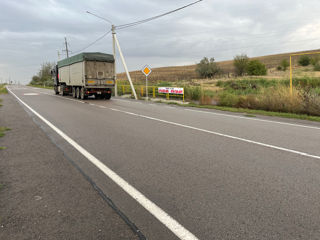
column 95, row 41
column 132, row 24
column 155, row 17
column 105, row 19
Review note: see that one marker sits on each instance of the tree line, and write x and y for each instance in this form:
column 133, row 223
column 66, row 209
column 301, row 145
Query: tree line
column 208, row 68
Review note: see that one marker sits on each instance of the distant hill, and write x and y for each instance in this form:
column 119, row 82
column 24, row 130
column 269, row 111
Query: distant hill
column 178, row 73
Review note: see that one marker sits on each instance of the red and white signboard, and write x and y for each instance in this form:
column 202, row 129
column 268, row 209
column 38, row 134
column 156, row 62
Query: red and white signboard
column 171, row 90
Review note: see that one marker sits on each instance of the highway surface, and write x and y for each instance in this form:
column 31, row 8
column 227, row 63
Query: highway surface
column 187, row 173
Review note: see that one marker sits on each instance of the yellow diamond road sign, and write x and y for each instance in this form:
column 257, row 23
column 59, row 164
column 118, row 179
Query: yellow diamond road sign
column 146, row 70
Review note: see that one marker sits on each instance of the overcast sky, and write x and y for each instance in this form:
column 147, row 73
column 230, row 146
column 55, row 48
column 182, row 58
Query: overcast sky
column 32, row 31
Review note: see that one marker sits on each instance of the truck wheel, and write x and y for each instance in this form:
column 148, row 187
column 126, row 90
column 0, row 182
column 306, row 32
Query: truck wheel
column 78, row 93
column 56, row 90
column 82, row 93
column 62, row 90
column 74, row 94
column 108, row 96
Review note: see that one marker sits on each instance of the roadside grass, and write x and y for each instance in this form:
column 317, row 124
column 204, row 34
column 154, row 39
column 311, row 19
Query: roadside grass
column 2, row 133
column 3, row 89
column 259, row 112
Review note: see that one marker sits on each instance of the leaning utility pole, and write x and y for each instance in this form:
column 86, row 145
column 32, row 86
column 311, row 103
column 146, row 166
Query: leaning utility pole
column 115, row 42
column 114, row 56
column 125, row 65
column 67, row 51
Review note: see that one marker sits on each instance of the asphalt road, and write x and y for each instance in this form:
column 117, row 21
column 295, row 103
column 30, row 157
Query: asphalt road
column 218, row 175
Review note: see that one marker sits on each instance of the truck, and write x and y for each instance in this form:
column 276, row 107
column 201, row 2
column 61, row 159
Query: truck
column 85, row 74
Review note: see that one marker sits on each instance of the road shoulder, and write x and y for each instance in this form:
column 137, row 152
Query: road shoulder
column 43, row 196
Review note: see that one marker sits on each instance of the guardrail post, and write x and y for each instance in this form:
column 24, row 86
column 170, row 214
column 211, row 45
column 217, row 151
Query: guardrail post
column 154, row 92
column 167, row 96
column 141, row 92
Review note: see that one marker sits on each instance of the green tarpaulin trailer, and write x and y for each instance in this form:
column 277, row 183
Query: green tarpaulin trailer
column 85, row 74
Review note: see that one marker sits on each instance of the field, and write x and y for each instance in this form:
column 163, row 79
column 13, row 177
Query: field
column 263, row 93
column 188, row 74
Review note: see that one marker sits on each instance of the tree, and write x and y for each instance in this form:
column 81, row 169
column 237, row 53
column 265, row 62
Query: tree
column 207, row 68
column 304, row 60
column 44, row 75
column 284, row 64
column 256, row 68
column 240, row 62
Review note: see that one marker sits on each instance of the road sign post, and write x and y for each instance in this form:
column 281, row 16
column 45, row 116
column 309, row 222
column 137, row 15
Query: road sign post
column 146, row 71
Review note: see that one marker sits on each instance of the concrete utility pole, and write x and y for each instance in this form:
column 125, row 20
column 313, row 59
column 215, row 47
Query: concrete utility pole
column 125, row 66
column 114, row 56
column 67, row 51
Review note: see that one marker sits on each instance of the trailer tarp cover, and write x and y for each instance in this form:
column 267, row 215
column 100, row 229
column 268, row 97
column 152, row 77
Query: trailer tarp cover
column 93, row 56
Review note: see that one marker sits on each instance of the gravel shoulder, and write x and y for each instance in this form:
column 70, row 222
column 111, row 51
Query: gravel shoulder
column 42, row 195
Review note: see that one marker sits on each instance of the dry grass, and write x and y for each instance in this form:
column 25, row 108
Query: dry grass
column 187, row 74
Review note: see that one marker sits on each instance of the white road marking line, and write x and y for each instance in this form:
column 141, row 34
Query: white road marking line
column 91, row 104
column 156, row 211
column 254, row 119
column 31, row 94
column 122, row 100
column 220, row 134
column 229, row 136
column 101, row 106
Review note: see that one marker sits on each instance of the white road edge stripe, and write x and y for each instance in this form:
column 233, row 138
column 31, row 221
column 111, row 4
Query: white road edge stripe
column 254, row 119
column 151, row 207
column 220, row 134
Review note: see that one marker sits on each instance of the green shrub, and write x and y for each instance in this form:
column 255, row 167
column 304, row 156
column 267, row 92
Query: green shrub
column 207, row 68
column 256, row 68
column 284, row 64
column 228, row 99
column 250, row 101
column 192, row 93
column 304, row 60
column 315, row 60
column 279, row 68
column 316, row 67
column 240, row 62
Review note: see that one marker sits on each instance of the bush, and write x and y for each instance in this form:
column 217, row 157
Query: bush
column 304, row 61
column 316, row 67
column 192, row 93
column 44, row 75
column 279, row 68
column 256, row 68
column 284, row 64
column 207, row 68
column 315, row 60
column 228, row 99
column 240, row 62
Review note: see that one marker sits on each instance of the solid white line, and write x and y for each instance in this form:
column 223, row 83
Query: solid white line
column 254, row 119
column 156, row 211
column 220, row 134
